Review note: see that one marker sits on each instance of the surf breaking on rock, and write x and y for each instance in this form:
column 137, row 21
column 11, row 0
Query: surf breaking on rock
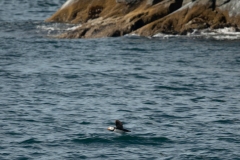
column 111, row 18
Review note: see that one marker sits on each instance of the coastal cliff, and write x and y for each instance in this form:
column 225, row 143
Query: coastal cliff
column 111, row 18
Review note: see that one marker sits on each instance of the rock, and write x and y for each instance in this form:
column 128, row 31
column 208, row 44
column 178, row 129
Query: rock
column 68, row 3
column 221, row 2
column 104, row 18
column 187, row 1
column 153, row 2
column 127, row 1
column 231, row 6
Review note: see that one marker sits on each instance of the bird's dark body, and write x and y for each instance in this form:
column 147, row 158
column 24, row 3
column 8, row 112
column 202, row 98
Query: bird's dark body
column 119, row 127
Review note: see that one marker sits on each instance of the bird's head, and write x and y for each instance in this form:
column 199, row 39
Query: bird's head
column 111, row 128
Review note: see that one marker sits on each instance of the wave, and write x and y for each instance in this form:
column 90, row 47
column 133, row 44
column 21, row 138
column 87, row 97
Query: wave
column 53, row 29
column 227, row 33
column 30, row 141
column 124, row 139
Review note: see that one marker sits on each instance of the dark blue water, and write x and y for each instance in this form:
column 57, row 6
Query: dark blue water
column 179, row 96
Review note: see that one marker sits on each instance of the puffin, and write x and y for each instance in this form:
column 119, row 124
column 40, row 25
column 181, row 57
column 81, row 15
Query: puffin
column 119, row 127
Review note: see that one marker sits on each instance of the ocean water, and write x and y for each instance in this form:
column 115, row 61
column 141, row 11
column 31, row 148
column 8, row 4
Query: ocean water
column 179, row 95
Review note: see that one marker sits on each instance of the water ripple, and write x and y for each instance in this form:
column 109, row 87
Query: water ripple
column 178, row 96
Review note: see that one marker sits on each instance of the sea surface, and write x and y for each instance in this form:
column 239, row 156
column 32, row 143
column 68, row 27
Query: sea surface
column 179, row 95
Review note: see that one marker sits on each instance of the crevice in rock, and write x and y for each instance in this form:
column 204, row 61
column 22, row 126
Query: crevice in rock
column 153, row 2
column 138, row 24
column 175, row 6
column 213, row 4
column 94, row 12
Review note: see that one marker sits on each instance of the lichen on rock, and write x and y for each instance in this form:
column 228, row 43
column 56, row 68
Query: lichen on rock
column 109, row 18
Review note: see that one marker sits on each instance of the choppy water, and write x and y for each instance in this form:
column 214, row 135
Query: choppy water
column 179, row 96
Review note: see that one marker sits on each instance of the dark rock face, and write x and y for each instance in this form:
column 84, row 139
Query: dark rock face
column 175, row 5
column 127, row 1
column 94, row 12
column 109, row 18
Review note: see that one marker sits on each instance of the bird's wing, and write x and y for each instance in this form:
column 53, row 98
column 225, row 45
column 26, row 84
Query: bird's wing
column 119, row 124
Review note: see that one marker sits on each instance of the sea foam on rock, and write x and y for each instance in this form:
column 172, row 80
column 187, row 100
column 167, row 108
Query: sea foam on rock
column 109, row 18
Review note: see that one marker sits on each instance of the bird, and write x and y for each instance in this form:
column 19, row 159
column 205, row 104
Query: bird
column 119, row 127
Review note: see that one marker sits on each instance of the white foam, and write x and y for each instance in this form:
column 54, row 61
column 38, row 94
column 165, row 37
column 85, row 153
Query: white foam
column 226, row 37
column 228, row 30
column 56, row 28
column 164, row 36
column 132, row 35
column 227, row 33
column 73, row 28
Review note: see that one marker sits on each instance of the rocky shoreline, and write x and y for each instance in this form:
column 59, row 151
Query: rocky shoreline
column 112, row 18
